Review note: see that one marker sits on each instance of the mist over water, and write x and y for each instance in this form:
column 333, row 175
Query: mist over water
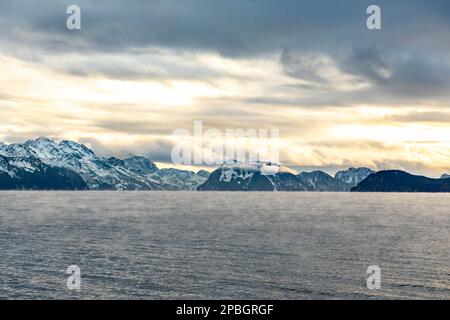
column 192, row 245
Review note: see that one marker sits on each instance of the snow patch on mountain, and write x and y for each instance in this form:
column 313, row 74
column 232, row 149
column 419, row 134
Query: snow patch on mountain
column 28, row 173
column 231, row 172
column 234, row 176
column 321, row 181
column 353, row 176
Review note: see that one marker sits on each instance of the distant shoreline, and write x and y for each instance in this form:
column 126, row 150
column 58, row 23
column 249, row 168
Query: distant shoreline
column 212, row 192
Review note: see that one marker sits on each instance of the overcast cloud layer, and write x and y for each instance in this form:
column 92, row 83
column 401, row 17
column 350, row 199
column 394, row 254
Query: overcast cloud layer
column 339, row 93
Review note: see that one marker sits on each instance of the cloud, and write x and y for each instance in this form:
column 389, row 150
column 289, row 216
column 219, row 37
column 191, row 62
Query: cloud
column 435, row 117
column 230, row 27
column 339, row 93
column 324, row 45
column 400, row 73
column 158, row 150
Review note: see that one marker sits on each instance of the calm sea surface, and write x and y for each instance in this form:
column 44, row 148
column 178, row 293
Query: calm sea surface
column 191, row 245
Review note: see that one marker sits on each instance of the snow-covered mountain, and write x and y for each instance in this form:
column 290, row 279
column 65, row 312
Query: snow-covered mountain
column 251, row 177
column 135, row 173
column 353, row 176
column 17, row 173
column 247, row 177
column 321, row 181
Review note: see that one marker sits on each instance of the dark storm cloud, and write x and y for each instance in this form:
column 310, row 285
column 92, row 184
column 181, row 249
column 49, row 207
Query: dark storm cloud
column 404, row 73
column 231, row 27
column 407, row 59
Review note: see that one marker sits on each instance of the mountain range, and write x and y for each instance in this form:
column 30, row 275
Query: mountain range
column 250, row 177
column 74, row 162
column 44, row 164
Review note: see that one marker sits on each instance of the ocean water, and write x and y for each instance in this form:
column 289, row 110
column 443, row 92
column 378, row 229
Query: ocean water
column 191, row 245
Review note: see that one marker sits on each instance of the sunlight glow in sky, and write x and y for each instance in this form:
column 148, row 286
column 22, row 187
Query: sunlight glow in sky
column 381, row 102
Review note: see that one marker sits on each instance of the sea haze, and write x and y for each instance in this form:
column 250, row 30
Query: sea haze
column 173, row 245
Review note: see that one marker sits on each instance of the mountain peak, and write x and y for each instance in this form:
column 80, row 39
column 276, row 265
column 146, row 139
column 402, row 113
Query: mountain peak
column 75, row 146
column 203, row 173
column 316, row 173
column 353, row 176
column 322, row 181
column 140, row 164
column 43, row 140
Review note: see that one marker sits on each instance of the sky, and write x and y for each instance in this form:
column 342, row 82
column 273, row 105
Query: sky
column 339, row 94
